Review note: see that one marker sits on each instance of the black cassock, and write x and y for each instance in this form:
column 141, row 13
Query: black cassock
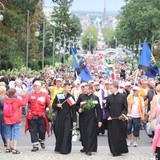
column 63, row 123
column 115, row 106
column 89, row 123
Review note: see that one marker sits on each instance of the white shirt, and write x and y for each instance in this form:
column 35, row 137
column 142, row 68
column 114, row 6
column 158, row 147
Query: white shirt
column 99, row 95
column 135, row 111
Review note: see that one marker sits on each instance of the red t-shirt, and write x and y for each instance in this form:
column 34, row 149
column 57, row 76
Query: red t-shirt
column 38, row 101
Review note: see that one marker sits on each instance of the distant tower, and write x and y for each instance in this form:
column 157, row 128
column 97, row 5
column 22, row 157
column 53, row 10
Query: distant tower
column 104, row 12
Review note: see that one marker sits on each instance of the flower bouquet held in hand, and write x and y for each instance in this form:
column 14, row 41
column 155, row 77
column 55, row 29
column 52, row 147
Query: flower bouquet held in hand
column 87, row 105
column 122, row 117
column 50, row 115
column 75, row 134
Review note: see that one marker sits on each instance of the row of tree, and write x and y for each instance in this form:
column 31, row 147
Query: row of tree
column 139, row 20
column 13, row 31
column 89, row 39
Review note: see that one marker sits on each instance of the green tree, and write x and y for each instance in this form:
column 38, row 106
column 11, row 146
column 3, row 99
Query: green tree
column 76, row 30
column 66, row 25
column 89, row 39
column 108, row 34
column 139, row 19
column 13, row 32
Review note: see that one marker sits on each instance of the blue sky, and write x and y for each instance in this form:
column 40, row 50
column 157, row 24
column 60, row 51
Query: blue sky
column 93, row 5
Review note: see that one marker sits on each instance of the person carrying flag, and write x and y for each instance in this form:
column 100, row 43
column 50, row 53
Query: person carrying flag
column 66, row 119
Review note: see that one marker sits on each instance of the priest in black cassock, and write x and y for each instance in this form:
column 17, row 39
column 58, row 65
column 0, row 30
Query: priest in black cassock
column 92, row 119
column 66, row 119
column 116, row 105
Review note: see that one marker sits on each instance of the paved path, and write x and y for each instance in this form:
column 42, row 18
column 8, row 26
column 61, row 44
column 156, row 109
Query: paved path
column 142, row 152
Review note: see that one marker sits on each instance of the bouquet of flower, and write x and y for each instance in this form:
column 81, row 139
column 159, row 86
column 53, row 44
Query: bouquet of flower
column 88, row 104
column 50, row 115
column 75, row 134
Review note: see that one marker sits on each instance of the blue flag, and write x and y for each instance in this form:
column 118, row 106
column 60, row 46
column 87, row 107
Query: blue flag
column 80, row 67
column 72, row 49
column 147, row 61
column 84, row 71
column 73, row 52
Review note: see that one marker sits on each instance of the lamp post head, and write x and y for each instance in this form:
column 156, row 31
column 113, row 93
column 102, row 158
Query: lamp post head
column 36, row 34
column 50, row 40
column 2, row 11
column 1, row 17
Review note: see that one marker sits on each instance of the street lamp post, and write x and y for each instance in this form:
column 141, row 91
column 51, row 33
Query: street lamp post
column 153, row 44
column 28, row 35
column 56, row 41
column 64, row 47
column 139, row 48
column 43, row 44
column 53, row 45
column 52, row 39
column 2, row 11
column 56, row 44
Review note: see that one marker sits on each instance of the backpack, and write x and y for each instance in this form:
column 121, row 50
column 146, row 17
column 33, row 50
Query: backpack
column 8, row 109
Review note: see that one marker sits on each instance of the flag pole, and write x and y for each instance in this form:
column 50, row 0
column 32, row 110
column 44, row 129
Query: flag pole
column 114, row 72
column 136, row 77
column 139, row 53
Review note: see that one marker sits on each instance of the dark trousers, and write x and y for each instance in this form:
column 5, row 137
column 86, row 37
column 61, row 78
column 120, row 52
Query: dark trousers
column 37, row 129
column 2, row 131
column 157, row 153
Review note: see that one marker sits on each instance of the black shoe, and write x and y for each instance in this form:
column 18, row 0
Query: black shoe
column 82, row 150
column 42, row 145
column 34, row 149
column 116, row 154
column 63, row 153
column 88, row 153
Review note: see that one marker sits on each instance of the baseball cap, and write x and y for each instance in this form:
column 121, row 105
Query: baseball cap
column 91, row 81
column 136, row 88
column 128, row 84
column 121, row 85
column 96, row 83
column 59, row 79
column 38, row 83
column 83, row 84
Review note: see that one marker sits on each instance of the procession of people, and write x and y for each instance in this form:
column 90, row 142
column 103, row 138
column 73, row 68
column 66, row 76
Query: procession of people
column 118, row 107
